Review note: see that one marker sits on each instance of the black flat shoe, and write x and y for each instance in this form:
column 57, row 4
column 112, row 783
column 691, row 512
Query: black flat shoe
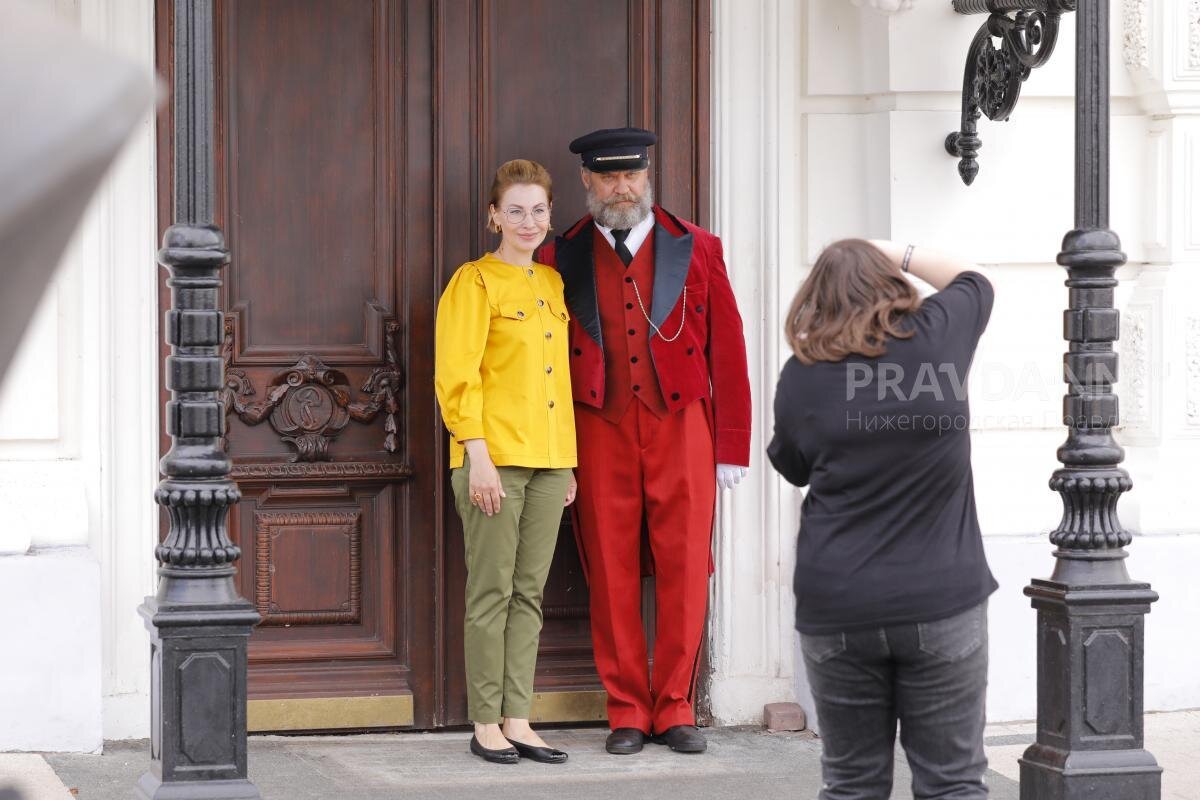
column 625, row 741
column 505, row 755
column 683, row 739
column 544, row 755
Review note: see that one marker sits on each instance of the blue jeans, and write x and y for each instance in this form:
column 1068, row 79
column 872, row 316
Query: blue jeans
column 929, row 676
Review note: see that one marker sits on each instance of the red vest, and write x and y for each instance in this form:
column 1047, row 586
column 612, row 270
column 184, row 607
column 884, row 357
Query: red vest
column 628, row 369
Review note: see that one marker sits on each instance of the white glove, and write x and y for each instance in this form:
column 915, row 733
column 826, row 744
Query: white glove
column 729, row 476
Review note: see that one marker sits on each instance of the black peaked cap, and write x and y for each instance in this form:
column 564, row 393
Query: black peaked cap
column 614, row 149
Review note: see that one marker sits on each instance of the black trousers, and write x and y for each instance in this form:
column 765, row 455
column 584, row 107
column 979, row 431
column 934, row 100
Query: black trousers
column 931, row 677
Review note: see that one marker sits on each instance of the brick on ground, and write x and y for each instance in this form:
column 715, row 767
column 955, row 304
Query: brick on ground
column 783, row 717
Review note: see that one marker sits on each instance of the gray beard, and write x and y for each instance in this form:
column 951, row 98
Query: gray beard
column 621, row 219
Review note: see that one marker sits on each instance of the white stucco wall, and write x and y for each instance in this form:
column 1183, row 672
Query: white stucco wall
column 844, row 137
column 50, row 692
column 78, row 451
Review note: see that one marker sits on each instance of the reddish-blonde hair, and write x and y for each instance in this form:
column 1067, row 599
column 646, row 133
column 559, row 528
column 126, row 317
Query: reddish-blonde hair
column 853, row 299
column 519, row 171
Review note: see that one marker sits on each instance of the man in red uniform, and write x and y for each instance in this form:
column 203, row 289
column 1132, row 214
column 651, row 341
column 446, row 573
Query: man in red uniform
column 658, row 372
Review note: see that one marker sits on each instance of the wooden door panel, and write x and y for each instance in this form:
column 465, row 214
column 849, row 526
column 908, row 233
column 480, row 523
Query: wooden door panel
column 534, row 103
column 318, row 373
column 354, row 146
column 320, row 574
column 309, row 203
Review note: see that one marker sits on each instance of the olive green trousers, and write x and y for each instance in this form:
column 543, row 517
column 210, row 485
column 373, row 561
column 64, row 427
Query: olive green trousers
column 508, row 559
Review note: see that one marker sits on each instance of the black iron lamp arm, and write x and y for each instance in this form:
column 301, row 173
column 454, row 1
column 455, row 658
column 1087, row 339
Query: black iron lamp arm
column 993, row 75
column 1007, row 6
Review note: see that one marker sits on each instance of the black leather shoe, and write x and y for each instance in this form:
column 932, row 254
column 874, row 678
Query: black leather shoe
column 545, row 755
column 625, row 741
column 683, row 739
column 505, row 755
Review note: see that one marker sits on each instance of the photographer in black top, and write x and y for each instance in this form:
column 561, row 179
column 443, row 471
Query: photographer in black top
column 891, row 580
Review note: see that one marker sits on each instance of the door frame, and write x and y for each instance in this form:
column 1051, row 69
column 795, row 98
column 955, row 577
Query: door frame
column 681, row 178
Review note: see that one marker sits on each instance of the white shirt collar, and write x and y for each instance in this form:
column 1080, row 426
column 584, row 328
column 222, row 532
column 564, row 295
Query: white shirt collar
column 637, row 234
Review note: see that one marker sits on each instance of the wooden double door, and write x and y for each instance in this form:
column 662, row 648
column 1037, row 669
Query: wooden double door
column 354, row 144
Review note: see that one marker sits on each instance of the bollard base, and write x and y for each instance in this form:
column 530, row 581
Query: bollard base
column 151, row 787
column 1051, row 774
column 198, row 697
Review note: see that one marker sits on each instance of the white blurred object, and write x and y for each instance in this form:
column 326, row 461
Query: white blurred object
column 885, row 6
column 729, row 475
column 66, row 106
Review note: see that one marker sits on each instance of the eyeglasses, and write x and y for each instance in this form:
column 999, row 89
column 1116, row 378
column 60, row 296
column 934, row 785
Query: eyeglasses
column 515, row 216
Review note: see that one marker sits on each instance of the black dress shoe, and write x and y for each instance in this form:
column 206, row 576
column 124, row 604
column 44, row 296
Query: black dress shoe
column 545, row 755
column 683, row 739
column 505, row 755
column 625, row 741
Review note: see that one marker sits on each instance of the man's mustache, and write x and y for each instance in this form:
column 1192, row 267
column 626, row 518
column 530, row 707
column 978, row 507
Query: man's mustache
column 621, row 198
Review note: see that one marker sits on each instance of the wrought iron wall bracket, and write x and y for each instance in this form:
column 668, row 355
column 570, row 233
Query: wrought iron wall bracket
column 993, row 75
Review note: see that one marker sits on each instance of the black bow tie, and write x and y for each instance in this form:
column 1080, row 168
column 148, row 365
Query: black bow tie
column 619, row 236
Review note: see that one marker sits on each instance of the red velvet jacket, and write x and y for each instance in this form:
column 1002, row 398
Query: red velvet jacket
column 708, row 359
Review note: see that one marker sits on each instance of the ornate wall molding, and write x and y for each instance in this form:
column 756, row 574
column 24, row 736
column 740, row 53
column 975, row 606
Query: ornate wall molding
column 268, row 526
column 1193, row 34
column 1135, row 34
column 1136, row 370
column 1191, row 354
column 310, row 403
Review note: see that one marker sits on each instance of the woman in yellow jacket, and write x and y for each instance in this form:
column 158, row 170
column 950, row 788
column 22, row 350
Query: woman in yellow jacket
column 504, row 386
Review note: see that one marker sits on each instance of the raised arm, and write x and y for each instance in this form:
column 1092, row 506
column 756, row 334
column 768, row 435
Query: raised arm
column 936, row 269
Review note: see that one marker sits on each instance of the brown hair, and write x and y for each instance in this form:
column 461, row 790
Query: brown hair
column 853, row 299
column 513, row 173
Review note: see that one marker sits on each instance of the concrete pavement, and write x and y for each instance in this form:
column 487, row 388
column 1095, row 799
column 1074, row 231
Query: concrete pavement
column 27, row 776
column 741, row 763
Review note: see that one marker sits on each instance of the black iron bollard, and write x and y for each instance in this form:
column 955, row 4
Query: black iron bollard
column 1090, row 613
column 199, row 625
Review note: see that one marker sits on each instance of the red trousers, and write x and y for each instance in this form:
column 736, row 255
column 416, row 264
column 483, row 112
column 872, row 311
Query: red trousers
column 660, row 472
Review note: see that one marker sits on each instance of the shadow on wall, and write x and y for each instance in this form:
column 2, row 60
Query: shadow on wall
column 74, row 119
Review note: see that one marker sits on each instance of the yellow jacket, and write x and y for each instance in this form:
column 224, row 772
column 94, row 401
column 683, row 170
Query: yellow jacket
column 500, row 369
